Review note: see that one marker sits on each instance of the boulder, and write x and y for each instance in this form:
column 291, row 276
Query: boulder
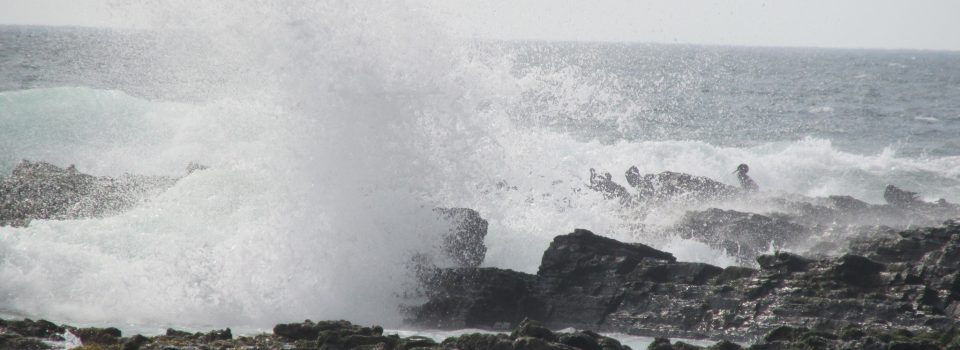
column 582, row 276
column 477, row 298
column 463, row 242
column 582, row 252
column 31, row 328
column 92, row 335
column 135, row 342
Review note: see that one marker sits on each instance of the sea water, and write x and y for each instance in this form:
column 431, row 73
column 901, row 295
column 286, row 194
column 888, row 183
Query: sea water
column 331, row 131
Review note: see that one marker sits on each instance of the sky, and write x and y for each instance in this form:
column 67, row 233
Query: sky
column 904, row 24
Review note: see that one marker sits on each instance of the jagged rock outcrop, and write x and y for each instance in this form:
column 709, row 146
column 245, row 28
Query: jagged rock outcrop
column 868, row 337
column 328, row 335
column 44, row 191
column 603, row 182
column 742, row 235
column 670, row 185
column 909, row 280
column 582, row 275
column 463, row 241
column 465, row 297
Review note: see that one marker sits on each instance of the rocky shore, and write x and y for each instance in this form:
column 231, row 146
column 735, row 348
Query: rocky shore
column 909, row 279
column 331, row 335
column 528, row 335
column 875, row 288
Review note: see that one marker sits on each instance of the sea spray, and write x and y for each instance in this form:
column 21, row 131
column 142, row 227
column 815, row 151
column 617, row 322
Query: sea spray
column 323, row 157
column 332, row 130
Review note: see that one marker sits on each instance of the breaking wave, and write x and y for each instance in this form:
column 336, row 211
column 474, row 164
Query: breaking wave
column 345, row 124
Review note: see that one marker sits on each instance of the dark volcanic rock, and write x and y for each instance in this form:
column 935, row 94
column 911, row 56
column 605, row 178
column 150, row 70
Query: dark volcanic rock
column 583, row 276
column 309, row 330
column 327, row 335
column 477, row 298
column 583, row 251
column 909, row 279
column 30, row 328
column 867, row 337
column 105, row 336
column 783, row 262
column 16, row 342
column 669, row 185
column 44, row 191
column 135, row 342
column 743, row 235
column 603, row 183
column 463, row 243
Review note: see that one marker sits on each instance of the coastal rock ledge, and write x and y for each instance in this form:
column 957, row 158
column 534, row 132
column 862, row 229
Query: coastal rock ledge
column 328, row 335
column 528, row 335
column 908, row 280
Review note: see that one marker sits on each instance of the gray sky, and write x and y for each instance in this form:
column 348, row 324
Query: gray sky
column 915, row 24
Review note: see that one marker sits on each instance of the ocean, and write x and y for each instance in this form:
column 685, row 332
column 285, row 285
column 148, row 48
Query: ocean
column 331, row 134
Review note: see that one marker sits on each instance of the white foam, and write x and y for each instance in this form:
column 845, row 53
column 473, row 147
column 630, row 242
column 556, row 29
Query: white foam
column 349, row 121
column 820, row 109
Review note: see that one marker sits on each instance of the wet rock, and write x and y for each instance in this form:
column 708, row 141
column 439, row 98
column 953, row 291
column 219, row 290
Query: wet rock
column 742, row 235
column 857, row 270
column 784, row 333
column 478, row 341
column 665, row 344
column 330, row 335
column 44, row 191
column 477, row 298
column 135, row 342
column 678, row 272
column 105, row 336
column 210, row 338
column 670, row 185
column 30, row 328
column 583, row 275
column 848, row 204
column 223, row 334
column 415, row 342
column 16, row 342
column 530, row 328
column 900, row 198
column 603, row 183
column 907, row 279
column 463, row 243
column 173, row 333
column 783, row 262
column 308, row 330
column 585, row 340
column 582, row 252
